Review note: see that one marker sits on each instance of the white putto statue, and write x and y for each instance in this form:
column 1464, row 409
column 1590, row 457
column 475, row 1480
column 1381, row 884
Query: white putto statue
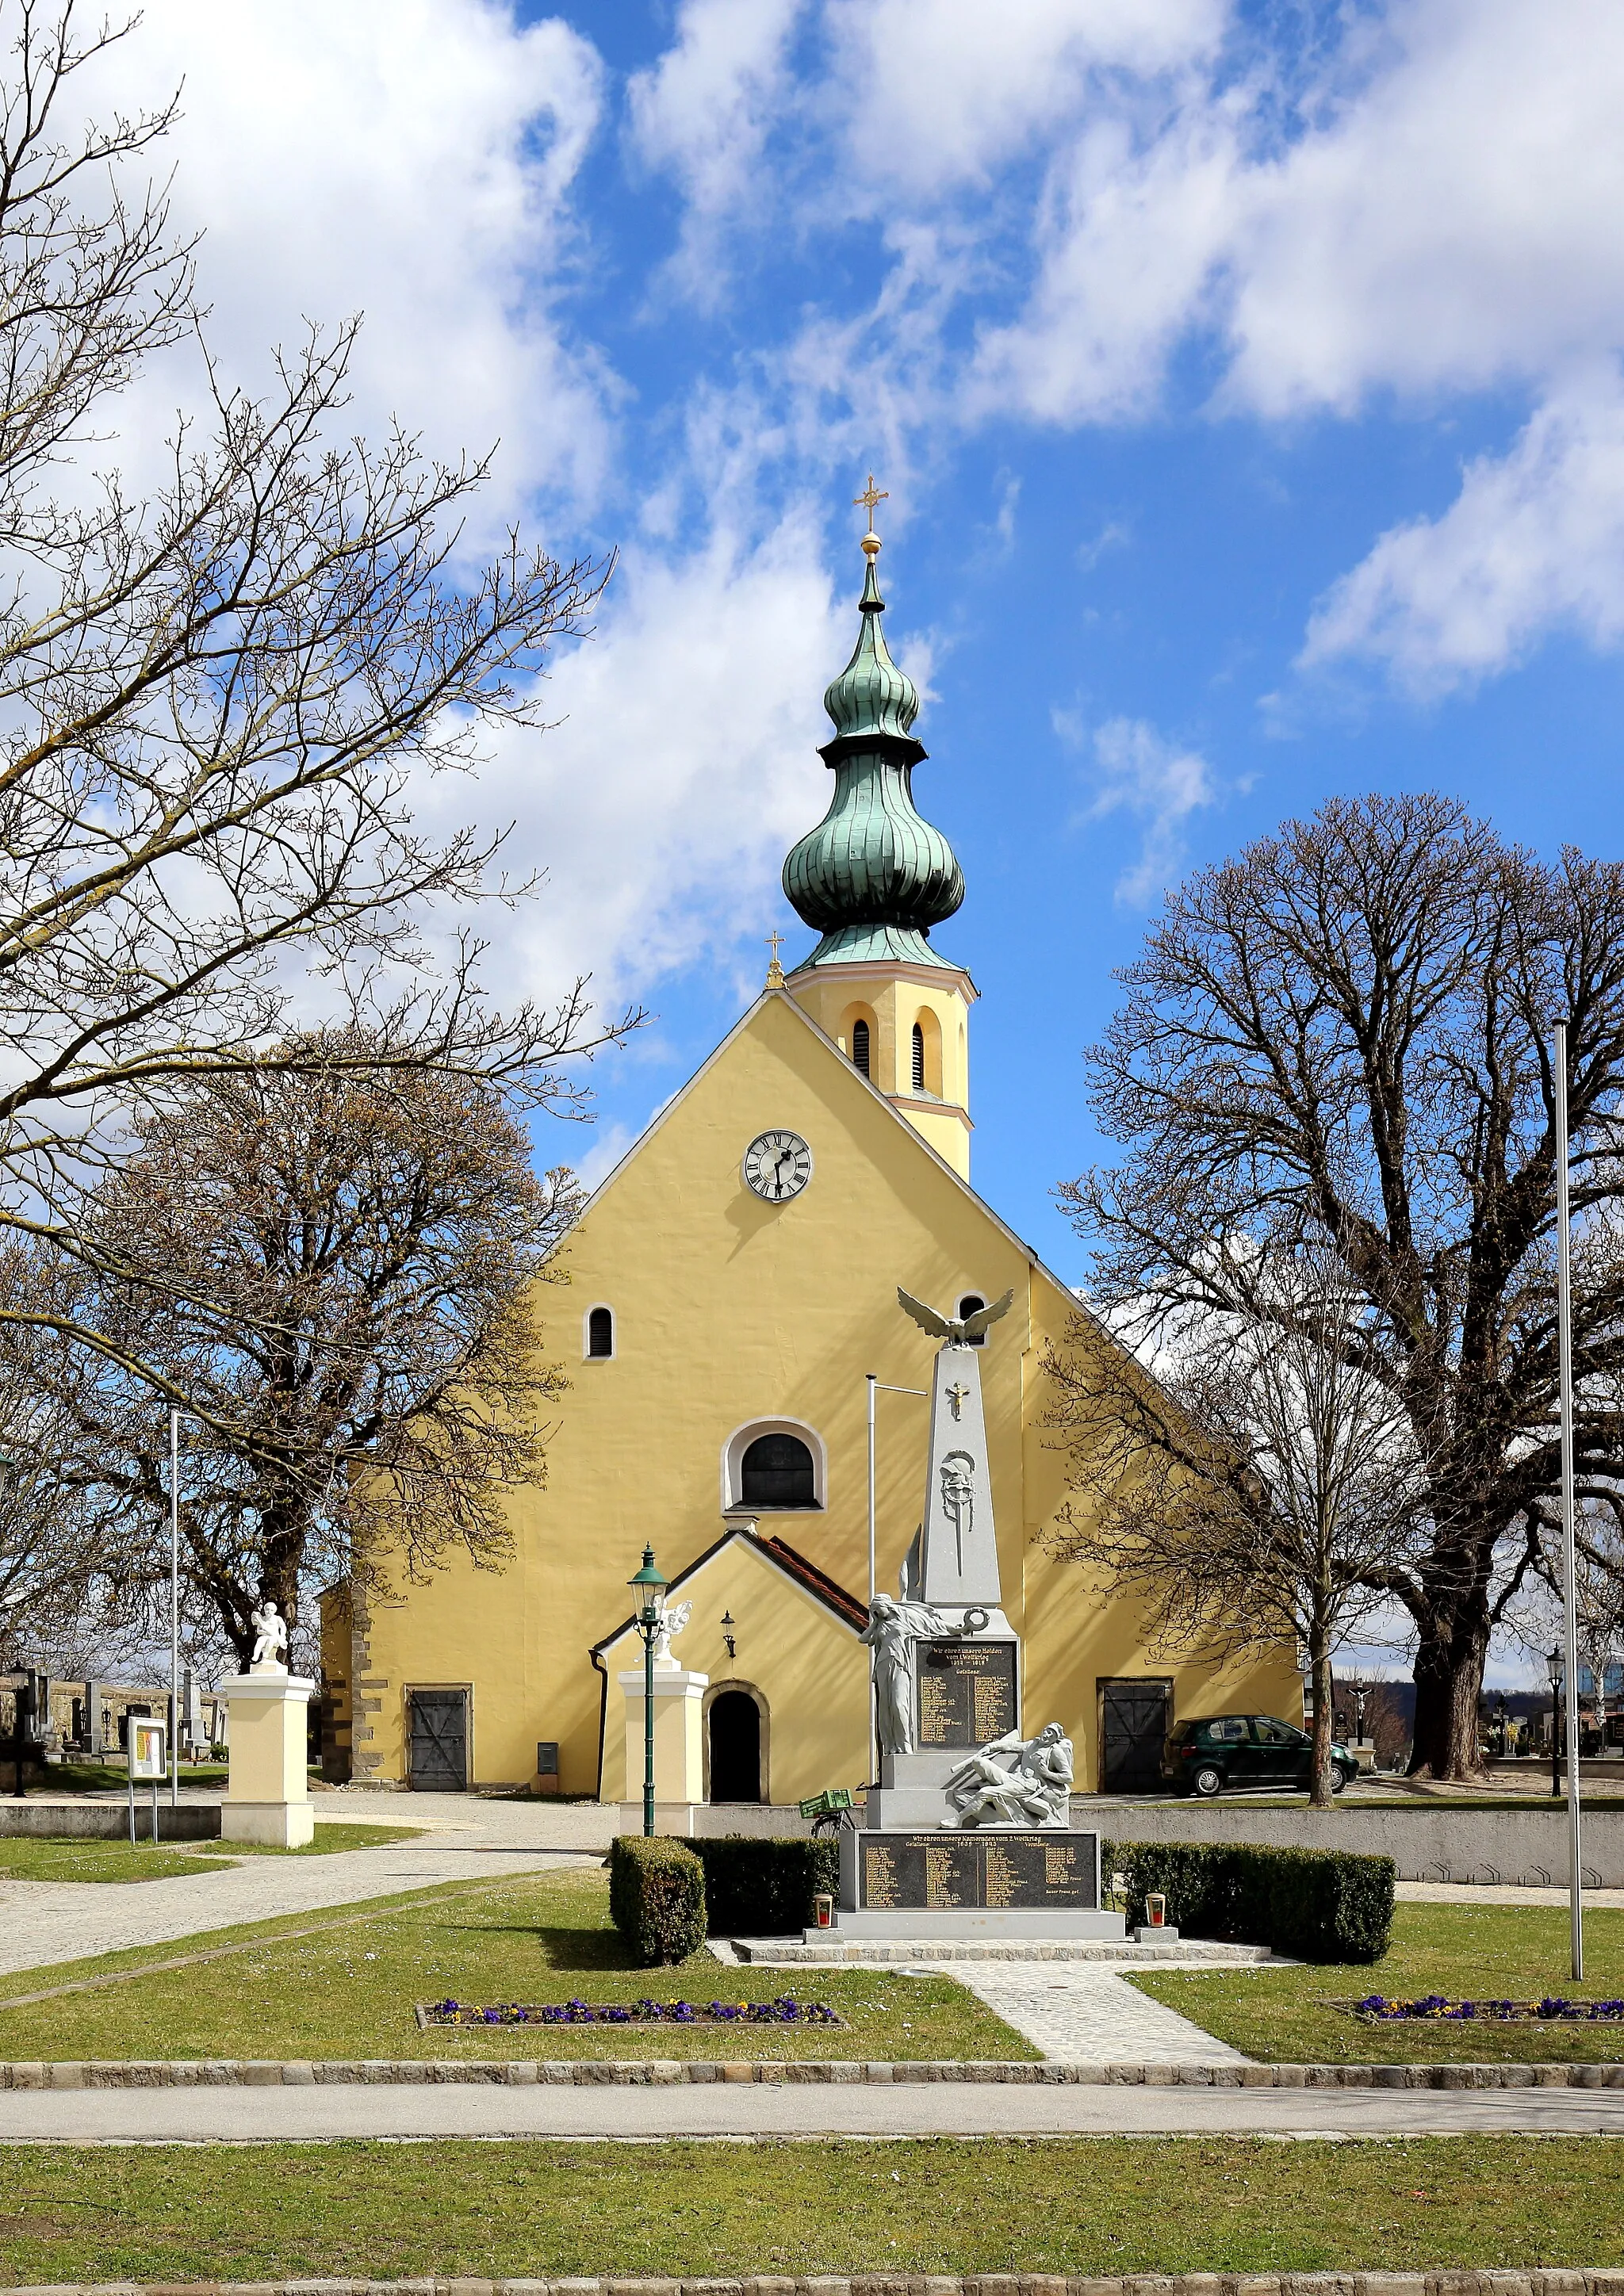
column 270, row 1639
column 674, row 1618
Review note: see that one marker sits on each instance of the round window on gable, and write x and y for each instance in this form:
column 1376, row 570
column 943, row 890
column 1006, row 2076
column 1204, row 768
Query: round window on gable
column 970, row 1305
column 776, row 1471
column 599, row 1334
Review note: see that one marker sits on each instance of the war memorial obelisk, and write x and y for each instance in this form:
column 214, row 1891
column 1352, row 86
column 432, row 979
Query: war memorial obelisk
column 969, row 1832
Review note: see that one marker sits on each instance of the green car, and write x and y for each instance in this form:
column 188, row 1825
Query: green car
column 1245, row 1751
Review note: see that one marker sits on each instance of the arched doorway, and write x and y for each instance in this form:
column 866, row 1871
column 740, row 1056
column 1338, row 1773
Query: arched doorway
column 735, row 1747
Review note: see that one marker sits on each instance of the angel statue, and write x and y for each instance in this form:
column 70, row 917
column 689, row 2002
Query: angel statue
column 892, row 1629
column 673, row 1618
column 1014, row 1782
column 270, row 1637
column 958, row 1330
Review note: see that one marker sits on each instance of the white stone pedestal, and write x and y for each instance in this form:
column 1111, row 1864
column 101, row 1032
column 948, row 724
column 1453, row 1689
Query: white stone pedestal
column 679, row 1744
column 267, row 1796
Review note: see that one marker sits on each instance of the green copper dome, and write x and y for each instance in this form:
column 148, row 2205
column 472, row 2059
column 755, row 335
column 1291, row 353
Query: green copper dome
column 873, row 877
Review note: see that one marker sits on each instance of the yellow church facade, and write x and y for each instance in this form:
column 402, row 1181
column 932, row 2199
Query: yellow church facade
column 724, row 1300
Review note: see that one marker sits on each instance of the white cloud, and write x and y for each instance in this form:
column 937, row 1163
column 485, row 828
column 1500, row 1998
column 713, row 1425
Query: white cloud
column 937, row 92
column 415, row 161
column 1140, row 773
column 1533, row 541
column 682, row 769
column 703, row 113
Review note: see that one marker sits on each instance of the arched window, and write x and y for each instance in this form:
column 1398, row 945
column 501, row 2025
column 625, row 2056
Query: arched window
column 776, row 1471
column 919, row 1057
column 968, row 1306
column 860, row 1045
column 599, row 1334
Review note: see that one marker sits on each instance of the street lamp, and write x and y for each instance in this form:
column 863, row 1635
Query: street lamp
column 649, row 1585
column 729, row 1637
column 1554, row 1667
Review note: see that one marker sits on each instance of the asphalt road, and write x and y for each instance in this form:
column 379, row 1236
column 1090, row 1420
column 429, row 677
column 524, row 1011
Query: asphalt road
column 249, row 2115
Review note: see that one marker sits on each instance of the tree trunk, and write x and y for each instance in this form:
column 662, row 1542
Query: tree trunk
column 1451, row 1655
column 1319, row 1670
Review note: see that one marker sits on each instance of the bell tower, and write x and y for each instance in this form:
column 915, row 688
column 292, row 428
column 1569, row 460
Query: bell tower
column 872, row 878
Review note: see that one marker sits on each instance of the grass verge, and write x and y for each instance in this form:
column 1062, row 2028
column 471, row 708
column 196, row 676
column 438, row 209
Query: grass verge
column 352, row 1990
column 26, row 1858
column 1086, row 2206
column 1519, row 1953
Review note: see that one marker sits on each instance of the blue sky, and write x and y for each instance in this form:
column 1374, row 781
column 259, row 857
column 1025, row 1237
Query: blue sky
column 1245, row 379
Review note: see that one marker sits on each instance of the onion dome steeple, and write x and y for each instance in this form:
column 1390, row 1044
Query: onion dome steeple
column 873, row 877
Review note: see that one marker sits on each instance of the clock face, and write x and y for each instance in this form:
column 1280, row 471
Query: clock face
column 777, row 1165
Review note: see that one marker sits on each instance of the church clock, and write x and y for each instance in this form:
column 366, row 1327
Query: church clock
column 777, row 1165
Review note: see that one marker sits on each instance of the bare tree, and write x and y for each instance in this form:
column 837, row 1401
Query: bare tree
column 337, row 1264
column 1344, row 1036
column 216, row 701
column 1257, row 1491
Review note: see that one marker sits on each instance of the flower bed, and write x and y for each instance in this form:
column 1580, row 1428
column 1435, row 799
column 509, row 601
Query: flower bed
column 1375, row 2009
column 786, row 2010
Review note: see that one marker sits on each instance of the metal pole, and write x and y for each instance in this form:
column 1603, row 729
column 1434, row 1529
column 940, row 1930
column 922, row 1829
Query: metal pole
column 174, row 1619
column 871, row 1378
column 648, row 1725
column 1564, row 1348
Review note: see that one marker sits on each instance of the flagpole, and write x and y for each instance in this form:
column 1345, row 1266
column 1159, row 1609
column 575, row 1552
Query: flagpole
column 1565, row 1351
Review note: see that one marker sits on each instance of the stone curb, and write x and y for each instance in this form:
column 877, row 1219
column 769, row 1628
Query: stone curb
column 656, row 2072
column 914, row 2284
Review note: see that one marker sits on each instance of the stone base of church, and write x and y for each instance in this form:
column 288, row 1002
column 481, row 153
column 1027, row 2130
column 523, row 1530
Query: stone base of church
column 912, row 1925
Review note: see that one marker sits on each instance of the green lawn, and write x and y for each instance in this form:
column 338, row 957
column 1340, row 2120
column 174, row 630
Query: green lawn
column 1515, row 1953
column 554, row 2208
column 25, row 1857
column 350, row 1989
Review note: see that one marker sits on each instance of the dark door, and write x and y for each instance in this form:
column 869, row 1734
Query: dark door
column 735, row 1747
column 440, row 1740
column 1134, row 1720
column 1279, row 1751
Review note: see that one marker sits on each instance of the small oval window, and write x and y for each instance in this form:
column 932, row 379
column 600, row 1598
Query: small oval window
column 919, row 1057
column 599, row 1333
column 860, row 1045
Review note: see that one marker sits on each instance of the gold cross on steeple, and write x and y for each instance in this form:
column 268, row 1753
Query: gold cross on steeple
column 869, row 498
column 775, row 971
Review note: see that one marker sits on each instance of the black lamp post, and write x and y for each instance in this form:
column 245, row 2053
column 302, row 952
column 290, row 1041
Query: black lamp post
column 1553, row 1664
column 729, row 1637
column 649, row 1585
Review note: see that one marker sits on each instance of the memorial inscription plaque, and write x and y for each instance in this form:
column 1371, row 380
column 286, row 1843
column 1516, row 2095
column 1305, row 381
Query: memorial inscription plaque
column 966, row 1694
column 942, row 1872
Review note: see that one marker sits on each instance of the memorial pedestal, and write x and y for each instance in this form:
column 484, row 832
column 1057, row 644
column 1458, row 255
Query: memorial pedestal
column 679, row 1746
column 987, row 1882
column 267, row 1792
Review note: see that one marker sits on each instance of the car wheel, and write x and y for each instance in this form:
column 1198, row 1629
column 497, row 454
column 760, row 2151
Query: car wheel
column 1207, row 1782
column 1339, row 1779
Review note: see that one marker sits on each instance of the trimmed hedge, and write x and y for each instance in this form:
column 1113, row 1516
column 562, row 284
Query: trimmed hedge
column 656, row 1897
column 1316, row 1904
column 763, row 1886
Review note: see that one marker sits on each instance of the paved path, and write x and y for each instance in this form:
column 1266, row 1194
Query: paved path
column 467, row 1838
column 1083, row 2012
column 322, row 2114
column 1497, row 1893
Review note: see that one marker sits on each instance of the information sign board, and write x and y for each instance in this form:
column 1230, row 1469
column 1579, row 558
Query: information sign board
column 149, row 1754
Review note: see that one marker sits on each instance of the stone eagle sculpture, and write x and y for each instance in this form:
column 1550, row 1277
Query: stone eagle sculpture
column 958, row 1331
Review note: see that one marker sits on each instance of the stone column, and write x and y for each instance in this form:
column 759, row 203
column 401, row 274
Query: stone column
column 679, row 1756
column 268, row 1797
